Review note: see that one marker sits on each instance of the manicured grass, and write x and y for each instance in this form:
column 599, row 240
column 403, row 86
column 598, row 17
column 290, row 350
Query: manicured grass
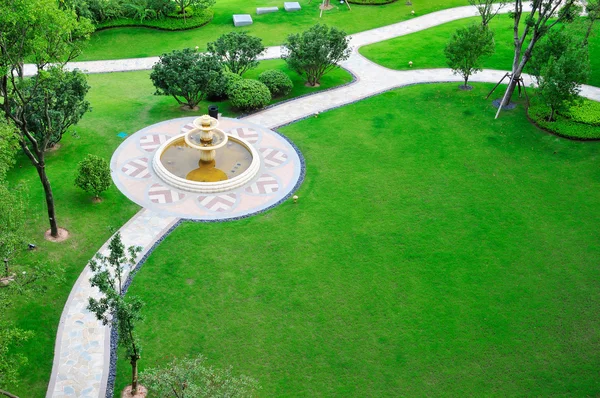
column 272, row 28
column 120, row 102
column 433, row 252
column 426, row 48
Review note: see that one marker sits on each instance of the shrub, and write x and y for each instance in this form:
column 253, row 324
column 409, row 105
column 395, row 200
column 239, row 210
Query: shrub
column 562, row 125
column 238, row 51
column 249, row 94
column 218, row 88
column 278, row 83
column 588, row 112
column 93, row 175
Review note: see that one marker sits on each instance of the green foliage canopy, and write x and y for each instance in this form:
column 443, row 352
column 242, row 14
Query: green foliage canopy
column 316, row 51
column 279, row 83
column 249, row 94
column 238, row 51
column 466, row 48
column 185, row 75
column 93, row 175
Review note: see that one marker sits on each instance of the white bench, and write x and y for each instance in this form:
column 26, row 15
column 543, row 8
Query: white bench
column 242, row 19
column 292, row 6
column 266, row 10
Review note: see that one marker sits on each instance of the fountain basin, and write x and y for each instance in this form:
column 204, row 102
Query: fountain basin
column 175, row 160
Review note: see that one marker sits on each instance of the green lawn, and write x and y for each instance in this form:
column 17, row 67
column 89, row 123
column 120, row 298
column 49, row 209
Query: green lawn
column 272, row 28
column 120, row 102
column 426, row 48
column 433, row 252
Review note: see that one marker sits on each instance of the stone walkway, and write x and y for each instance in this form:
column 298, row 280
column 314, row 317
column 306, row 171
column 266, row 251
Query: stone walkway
column 82, row 346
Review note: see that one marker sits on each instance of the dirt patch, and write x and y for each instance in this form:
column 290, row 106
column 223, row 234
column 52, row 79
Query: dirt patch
column 54, row 148
column 97, row 199
column 142, row 392
column 190, row 281
column 188, row 109
column 315, row 86
column 63, row 235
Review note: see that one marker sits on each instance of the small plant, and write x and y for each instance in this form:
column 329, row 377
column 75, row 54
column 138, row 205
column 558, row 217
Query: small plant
column 249, row 94
column 93, row 175
column 238, row 51
column 278, row 83
column 191, row 377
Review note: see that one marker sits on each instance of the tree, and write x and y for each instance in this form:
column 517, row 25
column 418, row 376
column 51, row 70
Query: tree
column 238, row 51
column 316, row 51
column 43, row 108
column 10, row 363
column 592, row 9
column 114, row 307
column 197, row 4
column 40, row 31
column 560, row 65
column 185, row 75
column 192, row 378
column 12, row 219
column 466, row 48
column 487, row 9
column 9, row 146
column 544, row 15
column 93, row 175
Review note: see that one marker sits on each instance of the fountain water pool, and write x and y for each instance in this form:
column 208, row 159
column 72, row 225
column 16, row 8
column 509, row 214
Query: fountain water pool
column 206, row 159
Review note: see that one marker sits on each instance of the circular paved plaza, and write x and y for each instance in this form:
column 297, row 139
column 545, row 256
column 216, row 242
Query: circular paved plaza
column 280, row 171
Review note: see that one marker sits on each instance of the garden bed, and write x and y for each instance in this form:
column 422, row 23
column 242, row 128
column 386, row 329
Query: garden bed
column 581, row 122
column 199, row 19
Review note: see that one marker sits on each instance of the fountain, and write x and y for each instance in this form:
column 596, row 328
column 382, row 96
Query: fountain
column 206, row 159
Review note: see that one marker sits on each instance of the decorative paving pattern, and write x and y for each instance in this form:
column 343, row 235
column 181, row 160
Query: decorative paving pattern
column 273, row 157
column 150, row 143
column 219, row 203
column 161, row 194
column 132, row 173
column 264, row 185
column 136, row 168
column 250, row 135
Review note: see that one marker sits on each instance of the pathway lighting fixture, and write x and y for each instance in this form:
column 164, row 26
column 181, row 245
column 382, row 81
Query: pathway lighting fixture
column 295, row 197
column 410, row 64
column 413, row 12
column 31, row 246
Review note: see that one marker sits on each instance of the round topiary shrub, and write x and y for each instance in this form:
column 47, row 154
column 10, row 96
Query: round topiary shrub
column 218, row 88
column 279, row 83
column 249, row 94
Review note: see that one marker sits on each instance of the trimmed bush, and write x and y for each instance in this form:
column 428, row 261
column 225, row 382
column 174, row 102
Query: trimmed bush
column 278, row 83
column 371, row 2
column 562, row 125
column 249, row 94
column 587, row 112
column 218, row 88
column 93, row 175
column 201, row 18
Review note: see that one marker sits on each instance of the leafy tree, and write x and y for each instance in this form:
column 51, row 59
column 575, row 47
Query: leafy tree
column 238, row 51
column 40, row 31
column 93, row 175
column 487, row 9
column 560, row 65
column 9, row 145
column 466, row 48
column 544, row 15
column 139, row 9
column 185, row 75
column 12, row 219
column 43, row 109
column 10, row 363
column 114, row 307
column 192, row 378
column 592, row 9
column 198, row 4
column 316, row 51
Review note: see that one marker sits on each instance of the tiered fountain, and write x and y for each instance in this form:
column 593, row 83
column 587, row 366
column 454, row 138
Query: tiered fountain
column 206, row 159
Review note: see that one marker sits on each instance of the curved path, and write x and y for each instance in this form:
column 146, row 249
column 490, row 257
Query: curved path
column 81, row 359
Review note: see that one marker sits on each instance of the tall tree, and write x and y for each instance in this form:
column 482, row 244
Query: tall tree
column 43, row 108
column 238, row 51
column 198, row 4
column 544, row 15
column 115, row 307
column 316, row 51
column 487, row 9
column 9, row 145
column 592, row 9
column 466, row 48
column 185, row 75
column 37, row 30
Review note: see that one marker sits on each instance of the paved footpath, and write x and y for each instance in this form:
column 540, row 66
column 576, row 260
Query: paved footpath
column 82, row 348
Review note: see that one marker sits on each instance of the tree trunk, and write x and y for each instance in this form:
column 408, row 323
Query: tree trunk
column 6, row 267
column 41, row 169
column 134, row 375
column 552, row 111
column 7, row 394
